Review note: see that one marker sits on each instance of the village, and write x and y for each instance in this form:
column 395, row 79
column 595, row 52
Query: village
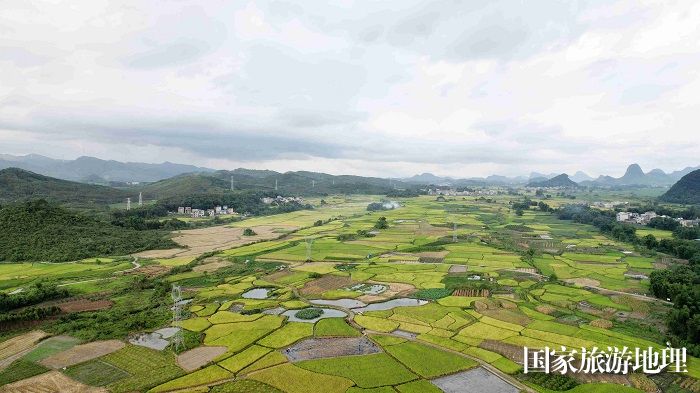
column 646, row 217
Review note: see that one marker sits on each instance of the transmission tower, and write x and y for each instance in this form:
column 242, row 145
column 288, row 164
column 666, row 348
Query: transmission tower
column 140, row 199
column 177, row 341
column 313, row 183
column 231, row 182
column 275, row 184
column 128, row 203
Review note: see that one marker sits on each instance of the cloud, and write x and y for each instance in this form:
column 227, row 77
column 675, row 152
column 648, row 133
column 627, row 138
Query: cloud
column 457, row 88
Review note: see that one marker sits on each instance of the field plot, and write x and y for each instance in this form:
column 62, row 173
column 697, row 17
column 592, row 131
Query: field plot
column 294, row 379
column 82, row 353
column 367, row 371
column 15, row 275
column 15, row 347
column 198, row 357
column 52, row 381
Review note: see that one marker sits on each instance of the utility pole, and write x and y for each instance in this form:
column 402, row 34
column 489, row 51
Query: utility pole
column 140, row 199
column 128, row 203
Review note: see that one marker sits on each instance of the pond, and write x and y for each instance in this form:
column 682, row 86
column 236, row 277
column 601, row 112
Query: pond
column 389, row 304
column 369, row 289
column 474, row 380
column 257, row 293
column 327, row 313
column 345, row 303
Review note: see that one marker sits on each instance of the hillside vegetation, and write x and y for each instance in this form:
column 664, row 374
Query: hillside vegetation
column 43, row 231
column 19, row 185
column 686, row 191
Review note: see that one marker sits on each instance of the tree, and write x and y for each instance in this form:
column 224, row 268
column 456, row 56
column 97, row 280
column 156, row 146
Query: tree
column 381, row 223
column 249, row 232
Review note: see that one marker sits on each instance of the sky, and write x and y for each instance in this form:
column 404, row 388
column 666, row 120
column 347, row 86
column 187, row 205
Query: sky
column 380, row 88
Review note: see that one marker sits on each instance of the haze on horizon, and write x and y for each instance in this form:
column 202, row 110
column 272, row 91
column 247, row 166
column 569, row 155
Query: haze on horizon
column 386, row 88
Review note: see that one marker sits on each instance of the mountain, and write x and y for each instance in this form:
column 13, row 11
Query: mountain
column 288, row 183
column 635, row 176
column 685, row 191
column 557, row 181
column 580, row 176
column 428, row 178
column 17, row 185
column 95, row 170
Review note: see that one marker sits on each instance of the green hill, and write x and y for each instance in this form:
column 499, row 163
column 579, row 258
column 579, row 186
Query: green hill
column 288, row 183
column 685, row 191
column 557, row 181
column 20, row 185
column 43, row 231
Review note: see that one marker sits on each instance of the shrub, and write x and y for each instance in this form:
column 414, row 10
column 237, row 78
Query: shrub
column 309, row 313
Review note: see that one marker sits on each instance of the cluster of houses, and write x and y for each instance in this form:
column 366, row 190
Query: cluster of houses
column 453, row 192
column 608, row 205
column 280, row 200
column 199, row 213
column 644, row 218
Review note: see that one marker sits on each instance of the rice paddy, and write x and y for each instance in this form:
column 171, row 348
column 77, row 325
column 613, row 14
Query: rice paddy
column 410, row 308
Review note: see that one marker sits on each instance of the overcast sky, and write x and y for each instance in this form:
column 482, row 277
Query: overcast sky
column 388, row 88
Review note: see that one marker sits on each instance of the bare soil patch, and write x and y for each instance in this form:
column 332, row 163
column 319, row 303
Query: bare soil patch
column 583, row 282
column 458, row 269
column 151, row 270
column 82, row 353
column 198, row 357
column 512, row 352
column 316, row 348
column 201, row 240
column 82, row 305
column 16, row 347
column 395, row 289
column 52, row 381
column 211, row 265
column 326, row 283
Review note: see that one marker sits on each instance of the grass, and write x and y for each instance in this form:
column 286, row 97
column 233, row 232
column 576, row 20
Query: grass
column 419, row 386
column 243, row 359
column 96, row 373
column 20, row 369
column 50, row 346
column 271, row 359
column 294, row 379
column 429, row 362
column 287, row 335
column 376, row 324
column 200, row 377
column 366, row 371
column 334, row 327
column 147, row 368
column 244, row 386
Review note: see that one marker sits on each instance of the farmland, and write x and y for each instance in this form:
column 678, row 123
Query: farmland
column 444, row 287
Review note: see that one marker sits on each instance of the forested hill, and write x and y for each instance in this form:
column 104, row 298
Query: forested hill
column 19, row 185
column 686, row 190
column 288, row 183
column 43, row 231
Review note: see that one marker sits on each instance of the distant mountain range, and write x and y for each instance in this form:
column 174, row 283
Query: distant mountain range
column 557, row 181
column 109, row 172
column 95, row 170
column 634, row 176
